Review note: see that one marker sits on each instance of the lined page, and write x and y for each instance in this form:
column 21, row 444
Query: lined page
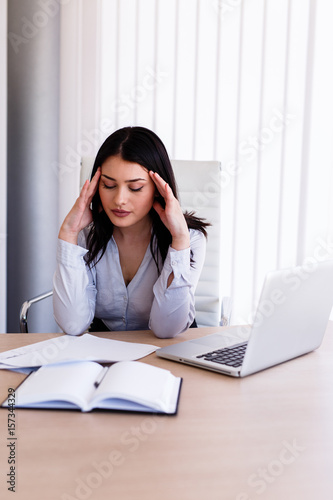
column 141, row 383
column 70, row 382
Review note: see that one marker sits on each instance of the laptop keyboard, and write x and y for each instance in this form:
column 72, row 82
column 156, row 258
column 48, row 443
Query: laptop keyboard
column 230, row 356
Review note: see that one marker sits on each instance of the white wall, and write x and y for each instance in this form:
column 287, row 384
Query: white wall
column 247, row 83
column 3, row 163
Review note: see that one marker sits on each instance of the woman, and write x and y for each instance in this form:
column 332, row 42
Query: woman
column 127, row 255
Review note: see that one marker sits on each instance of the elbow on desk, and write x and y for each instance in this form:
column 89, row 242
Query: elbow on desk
column 72, row 327
column 166, row 331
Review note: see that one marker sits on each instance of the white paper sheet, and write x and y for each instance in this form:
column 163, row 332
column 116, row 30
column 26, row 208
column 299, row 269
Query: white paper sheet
column 70, row 348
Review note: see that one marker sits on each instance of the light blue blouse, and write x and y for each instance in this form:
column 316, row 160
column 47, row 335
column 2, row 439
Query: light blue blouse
column 80, row 293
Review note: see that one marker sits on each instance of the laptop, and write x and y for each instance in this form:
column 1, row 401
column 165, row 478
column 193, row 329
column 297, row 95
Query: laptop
column 290, row 320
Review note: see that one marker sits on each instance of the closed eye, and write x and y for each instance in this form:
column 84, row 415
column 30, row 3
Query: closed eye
column 113, row 187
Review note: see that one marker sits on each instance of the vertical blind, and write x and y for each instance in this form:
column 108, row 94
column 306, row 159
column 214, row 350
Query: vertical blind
column 245, row 82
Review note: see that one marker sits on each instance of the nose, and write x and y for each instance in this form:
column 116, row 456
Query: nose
column 120, row 198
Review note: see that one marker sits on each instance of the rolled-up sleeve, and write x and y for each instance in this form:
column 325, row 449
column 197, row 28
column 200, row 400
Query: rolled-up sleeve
column 173, row 308
column 74, row 291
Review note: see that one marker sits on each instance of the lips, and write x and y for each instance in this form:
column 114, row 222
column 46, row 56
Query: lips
column 120, row 213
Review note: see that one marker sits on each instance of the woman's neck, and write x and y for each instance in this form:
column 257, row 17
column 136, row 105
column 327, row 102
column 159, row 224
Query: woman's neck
column 139, row 232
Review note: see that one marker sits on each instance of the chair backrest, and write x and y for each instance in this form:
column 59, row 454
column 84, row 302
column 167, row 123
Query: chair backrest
column 199, row 190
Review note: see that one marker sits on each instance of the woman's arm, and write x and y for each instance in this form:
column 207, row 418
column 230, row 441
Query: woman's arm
column 172, row 216
column 74, row 291
column 173, row 308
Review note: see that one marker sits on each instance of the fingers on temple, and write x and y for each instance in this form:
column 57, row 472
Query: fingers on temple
column 84, row 189
column 90, row 187
column 162, row 186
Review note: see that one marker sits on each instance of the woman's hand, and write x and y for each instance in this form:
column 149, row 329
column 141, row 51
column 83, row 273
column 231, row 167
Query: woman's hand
column 172, row 215
column 80, row 215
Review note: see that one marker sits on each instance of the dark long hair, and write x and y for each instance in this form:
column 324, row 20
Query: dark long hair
column 137, row 145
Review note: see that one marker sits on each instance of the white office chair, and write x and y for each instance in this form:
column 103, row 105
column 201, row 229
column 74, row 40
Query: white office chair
column 199, row 190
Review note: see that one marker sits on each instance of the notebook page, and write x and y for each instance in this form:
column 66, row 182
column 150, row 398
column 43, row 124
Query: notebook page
column 72, row 382
column 140, row 383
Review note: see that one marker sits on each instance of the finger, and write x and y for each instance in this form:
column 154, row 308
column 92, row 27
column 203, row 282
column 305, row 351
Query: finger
column 93, row 186
column 93, row 182
column 84, row 189
column 156, row 181
column 169, row 194
column 95, row 179
column 87, row 192
column 160, row 183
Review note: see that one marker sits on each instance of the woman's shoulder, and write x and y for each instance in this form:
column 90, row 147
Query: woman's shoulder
column 197, row 238
column 196, row 233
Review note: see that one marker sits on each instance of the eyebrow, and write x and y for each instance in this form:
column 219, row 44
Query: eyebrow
column 130, row 180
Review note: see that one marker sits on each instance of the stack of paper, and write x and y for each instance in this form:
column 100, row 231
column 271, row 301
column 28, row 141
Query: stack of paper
column 69, row 348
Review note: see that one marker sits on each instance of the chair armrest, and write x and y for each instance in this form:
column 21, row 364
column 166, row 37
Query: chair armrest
column 25, row 309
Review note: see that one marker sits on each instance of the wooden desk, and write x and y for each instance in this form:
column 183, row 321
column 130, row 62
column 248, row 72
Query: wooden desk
column 267, row 436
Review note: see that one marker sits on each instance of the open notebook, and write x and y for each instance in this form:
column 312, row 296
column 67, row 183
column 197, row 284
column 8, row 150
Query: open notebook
column 86, row 385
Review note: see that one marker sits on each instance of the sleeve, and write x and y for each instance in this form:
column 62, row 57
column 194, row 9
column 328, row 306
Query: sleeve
column 173, row 308
column 74, row 290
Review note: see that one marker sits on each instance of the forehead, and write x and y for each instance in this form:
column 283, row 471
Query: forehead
column 118, row 168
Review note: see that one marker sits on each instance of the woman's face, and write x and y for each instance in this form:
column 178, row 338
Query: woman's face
column 126, row 191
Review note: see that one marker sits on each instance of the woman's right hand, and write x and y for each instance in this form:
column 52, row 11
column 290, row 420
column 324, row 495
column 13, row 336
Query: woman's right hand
column 80, row 215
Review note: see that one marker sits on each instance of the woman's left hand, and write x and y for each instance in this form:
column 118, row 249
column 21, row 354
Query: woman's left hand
column 172, row 215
